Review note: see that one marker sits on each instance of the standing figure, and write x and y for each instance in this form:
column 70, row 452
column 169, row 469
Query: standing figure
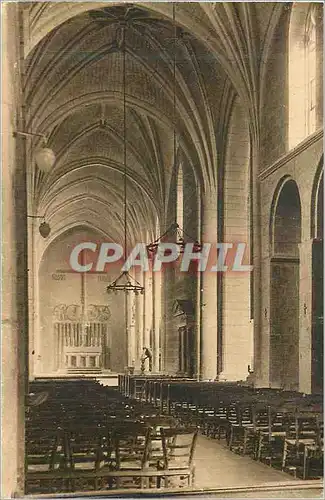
column 146, row 354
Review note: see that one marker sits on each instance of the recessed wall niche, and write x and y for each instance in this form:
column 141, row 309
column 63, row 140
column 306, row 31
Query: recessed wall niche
column 81, row 327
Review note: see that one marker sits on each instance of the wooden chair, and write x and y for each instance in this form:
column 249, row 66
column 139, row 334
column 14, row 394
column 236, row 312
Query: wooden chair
column 46, row 458
column 241, row 429
column 269, row 445
column 45, row 450
column 86, row 447
column 156, row 423
column 178, row 453
column 315, row 452
column 225, row 417
column 131, row 454
column 258, row 431
column 302, row 432
column 88, row 450
column 127, row 459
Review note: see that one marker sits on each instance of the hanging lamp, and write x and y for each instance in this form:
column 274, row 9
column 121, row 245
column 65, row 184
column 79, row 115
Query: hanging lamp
column 43, row 156
column 182, row 239
column 174, row 229
column 44, row 227
column 125, row 282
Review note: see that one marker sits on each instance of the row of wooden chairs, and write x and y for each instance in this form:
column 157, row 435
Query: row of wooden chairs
column 108, row 459
column 281, row 428
column 75, row 442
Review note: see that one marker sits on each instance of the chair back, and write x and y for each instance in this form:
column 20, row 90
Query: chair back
column 178, row 446
column 320, row 431
column 45, row 449
column 261, row 416
column 132, row 446
column 306, row 426
column 86, row 447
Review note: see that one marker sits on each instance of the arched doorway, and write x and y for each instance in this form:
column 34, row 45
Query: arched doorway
column 284, row 312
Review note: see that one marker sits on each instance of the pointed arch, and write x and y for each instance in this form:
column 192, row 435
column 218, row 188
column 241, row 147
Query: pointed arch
column 285, row 221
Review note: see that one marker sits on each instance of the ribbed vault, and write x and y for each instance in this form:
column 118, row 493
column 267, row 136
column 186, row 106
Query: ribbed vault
column 74, row 95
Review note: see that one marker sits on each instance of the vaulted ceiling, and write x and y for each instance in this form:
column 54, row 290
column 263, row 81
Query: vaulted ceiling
column 74, row 95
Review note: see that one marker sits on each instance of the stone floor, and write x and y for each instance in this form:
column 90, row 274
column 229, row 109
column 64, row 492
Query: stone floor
column 217, row 466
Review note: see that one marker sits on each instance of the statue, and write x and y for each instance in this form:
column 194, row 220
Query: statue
column 146, row 354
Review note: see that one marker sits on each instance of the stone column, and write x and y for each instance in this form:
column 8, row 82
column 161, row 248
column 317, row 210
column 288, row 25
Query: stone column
column 209, row 337
column 171, row 340
column 262, row 362
column 14, row 334
column 163, row 325
column 130, row 300
column 126, row 330
column 157, row 318
column 198, row 294
column 258, row 294
column 35, row 344
column 143, row 281
column 305, row 315
column 31, row 301
column 139, row 322
column 148, row 311
column 169, row 279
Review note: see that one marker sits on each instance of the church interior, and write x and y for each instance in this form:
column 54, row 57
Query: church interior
column 188, row 132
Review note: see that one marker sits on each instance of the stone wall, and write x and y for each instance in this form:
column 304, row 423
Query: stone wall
column 237, row 341
column 14, row 336
column 301, row 165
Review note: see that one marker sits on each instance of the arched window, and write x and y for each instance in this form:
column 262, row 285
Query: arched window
column 179, row 202
column 310, row 71
column 303, row 56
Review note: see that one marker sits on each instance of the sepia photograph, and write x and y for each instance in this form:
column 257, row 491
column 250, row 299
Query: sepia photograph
column 162, row 249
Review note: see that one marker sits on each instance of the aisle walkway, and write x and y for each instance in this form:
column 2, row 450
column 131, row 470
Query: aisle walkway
column 217, row 466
